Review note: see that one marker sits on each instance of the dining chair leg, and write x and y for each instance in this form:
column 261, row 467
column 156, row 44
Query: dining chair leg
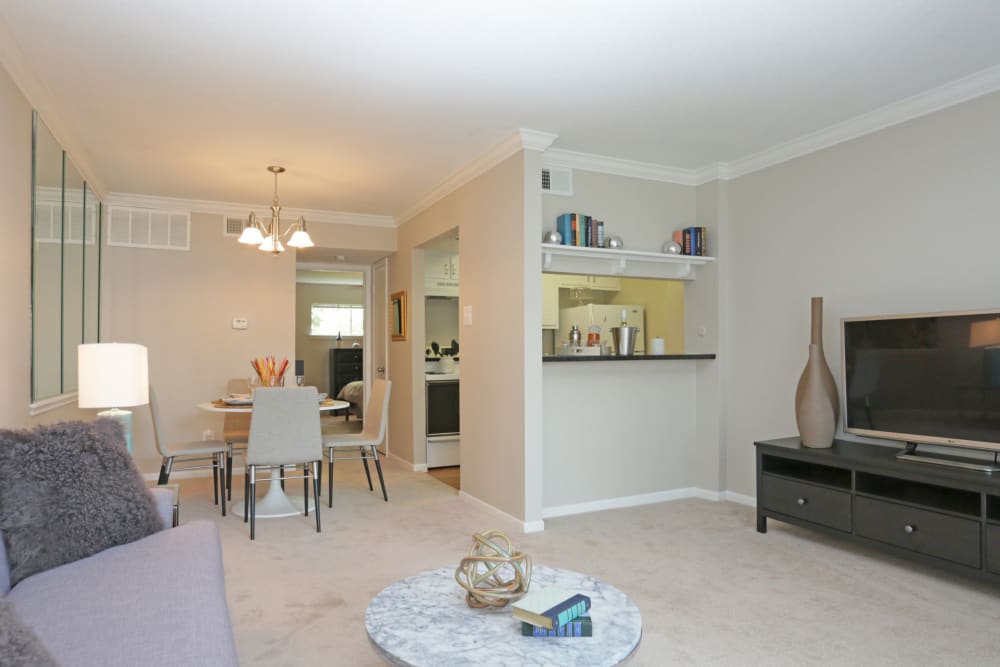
column 281, row 473
column 246, row 494
column 329, row 482
column 253, row 500
column 222, row 478
column 215, row 480
column 305, row 487
column 165, row 471
column 381, row 480
column 316, row 466
column 229, row 471
column 320, row 477
column 364, row 460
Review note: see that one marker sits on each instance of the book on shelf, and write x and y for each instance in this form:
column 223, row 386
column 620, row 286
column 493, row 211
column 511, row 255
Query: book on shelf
column 693, row 241
column 582, row 231
column 581, row 626
column 550, row 607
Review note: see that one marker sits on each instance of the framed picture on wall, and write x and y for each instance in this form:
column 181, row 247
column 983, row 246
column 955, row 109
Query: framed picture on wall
column 397, row 315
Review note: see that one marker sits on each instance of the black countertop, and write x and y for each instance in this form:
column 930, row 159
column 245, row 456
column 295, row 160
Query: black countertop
column 631, row 357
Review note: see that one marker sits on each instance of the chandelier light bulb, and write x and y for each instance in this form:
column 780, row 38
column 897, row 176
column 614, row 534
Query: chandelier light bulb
column 300, row 239
column 251, row 236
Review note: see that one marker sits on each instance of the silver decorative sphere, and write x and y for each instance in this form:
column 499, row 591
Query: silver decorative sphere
column 672, row 248
column 616, row 242
column 552, row 237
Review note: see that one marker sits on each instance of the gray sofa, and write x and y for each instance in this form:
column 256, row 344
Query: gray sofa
column 160, row 600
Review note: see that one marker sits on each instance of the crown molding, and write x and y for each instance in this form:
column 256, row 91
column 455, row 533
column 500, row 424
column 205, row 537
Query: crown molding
column 522, row 139
column 975, row 85
column 558, row 157
column 12, row 59
column 263, row 211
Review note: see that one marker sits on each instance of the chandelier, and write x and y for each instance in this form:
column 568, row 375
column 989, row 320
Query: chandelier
column 269, row 238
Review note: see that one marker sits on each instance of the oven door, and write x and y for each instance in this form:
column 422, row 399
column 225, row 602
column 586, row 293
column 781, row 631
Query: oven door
column 442, row 408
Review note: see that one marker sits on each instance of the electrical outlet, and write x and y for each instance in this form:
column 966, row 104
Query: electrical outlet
column 240, row 323
column 208, row 434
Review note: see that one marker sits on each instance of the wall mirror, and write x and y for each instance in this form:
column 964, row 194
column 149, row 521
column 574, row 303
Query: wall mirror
column 65, row 270
column 397, row 315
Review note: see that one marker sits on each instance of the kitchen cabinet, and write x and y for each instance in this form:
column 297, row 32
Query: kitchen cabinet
column 440, row 274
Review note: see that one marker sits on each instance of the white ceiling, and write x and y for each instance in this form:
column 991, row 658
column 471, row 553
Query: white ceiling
column 371, row 104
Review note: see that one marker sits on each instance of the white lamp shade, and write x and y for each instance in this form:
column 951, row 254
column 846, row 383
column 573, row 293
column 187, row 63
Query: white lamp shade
column 300, row 239
column 112, row 375
column 251, row 236
column 268, row 245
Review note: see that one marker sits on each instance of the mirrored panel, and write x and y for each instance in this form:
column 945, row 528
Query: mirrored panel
column 91, row 265
column 72, row 272
column 46, row 306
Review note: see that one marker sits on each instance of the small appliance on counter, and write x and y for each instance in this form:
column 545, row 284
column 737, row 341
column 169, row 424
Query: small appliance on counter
column 590, row 317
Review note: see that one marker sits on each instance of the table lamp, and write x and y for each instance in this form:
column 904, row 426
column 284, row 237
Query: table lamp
column 115, row 376
column 300, row 372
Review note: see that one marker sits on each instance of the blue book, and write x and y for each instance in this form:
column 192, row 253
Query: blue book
column 578, row 627
column 564, row 227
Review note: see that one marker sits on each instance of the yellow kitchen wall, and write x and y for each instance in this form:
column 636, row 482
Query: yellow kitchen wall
column 664, row 309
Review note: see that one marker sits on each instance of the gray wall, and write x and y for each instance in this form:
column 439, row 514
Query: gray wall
column 900, row 221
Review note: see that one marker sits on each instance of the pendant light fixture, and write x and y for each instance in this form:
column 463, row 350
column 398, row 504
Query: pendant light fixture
column 269, row 238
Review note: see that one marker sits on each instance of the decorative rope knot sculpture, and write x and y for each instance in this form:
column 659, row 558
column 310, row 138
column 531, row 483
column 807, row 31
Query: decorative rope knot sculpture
column 493, row 573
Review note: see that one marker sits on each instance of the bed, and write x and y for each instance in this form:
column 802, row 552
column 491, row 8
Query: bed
column 353, row 393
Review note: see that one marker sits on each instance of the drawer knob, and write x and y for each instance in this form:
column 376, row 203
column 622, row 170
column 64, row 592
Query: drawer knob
column 802, row 501
column 908, row 529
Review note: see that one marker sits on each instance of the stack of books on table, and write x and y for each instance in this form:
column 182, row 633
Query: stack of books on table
column 552, row 612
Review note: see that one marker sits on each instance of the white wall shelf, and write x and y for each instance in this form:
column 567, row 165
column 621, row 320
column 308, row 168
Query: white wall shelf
column 613, row 262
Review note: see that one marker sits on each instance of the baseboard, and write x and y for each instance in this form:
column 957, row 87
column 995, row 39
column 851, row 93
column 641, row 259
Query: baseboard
column 648, row 499
column 416, row 467
column 739, row 498
column 524, row 526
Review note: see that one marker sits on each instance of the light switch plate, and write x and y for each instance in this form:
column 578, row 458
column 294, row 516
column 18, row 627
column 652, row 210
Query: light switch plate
column 240, row 323
column 467, row 315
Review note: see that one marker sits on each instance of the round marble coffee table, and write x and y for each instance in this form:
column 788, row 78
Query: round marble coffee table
column 424, row 620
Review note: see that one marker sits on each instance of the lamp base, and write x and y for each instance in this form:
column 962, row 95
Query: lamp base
column 125, row 418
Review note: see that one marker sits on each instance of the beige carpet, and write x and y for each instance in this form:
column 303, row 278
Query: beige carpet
column 712, row 591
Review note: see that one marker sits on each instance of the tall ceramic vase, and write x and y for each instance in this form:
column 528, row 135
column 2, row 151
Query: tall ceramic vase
column 817, row 408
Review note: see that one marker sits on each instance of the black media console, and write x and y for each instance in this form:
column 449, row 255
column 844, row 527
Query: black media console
column 948, row 517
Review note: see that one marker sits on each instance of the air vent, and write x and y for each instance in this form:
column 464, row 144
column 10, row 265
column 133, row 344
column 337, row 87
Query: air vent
column 149, row 228
column 234, row 226
column 557, row 181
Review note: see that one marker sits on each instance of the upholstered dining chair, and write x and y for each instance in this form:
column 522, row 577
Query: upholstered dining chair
column 235, row 430
column 372, row 434
column 284, row 431
column 195, row 455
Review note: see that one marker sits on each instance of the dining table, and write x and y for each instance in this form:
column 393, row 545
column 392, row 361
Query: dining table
column 275, row 503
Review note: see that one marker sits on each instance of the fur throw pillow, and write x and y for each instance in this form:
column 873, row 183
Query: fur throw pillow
column 18, row 644
column 68, row 491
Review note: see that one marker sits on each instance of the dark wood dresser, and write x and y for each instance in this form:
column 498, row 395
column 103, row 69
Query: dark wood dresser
column 346, row 365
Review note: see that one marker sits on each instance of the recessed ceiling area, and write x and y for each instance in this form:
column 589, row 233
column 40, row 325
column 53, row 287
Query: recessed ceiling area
column 372, row 105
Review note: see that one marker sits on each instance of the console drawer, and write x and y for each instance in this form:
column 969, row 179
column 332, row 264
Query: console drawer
column 993, row 549
column 808, row 502
column 948, row 537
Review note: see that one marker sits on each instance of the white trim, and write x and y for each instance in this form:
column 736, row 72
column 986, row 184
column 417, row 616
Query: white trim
column 648, row 499
column 416, row 467
column 713, row 172
column 234, row 209
column 739, row 498
column 522, row 139
column 604, row 164
column 525, row 526
column 49, row 404
column 962, row 90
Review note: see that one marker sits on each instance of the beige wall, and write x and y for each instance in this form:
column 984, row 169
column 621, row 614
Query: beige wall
column 15, row 258
column 315, row 350
column 900, row 221
column 493, row 268
column 181, row 306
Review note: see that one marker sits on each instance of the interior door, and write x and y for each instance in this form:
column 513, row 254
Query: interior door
column 379, row 327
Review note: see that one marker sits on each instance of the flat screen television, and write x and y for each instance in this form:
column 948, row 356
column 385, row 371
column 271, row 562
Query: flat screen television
column 924, row 379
